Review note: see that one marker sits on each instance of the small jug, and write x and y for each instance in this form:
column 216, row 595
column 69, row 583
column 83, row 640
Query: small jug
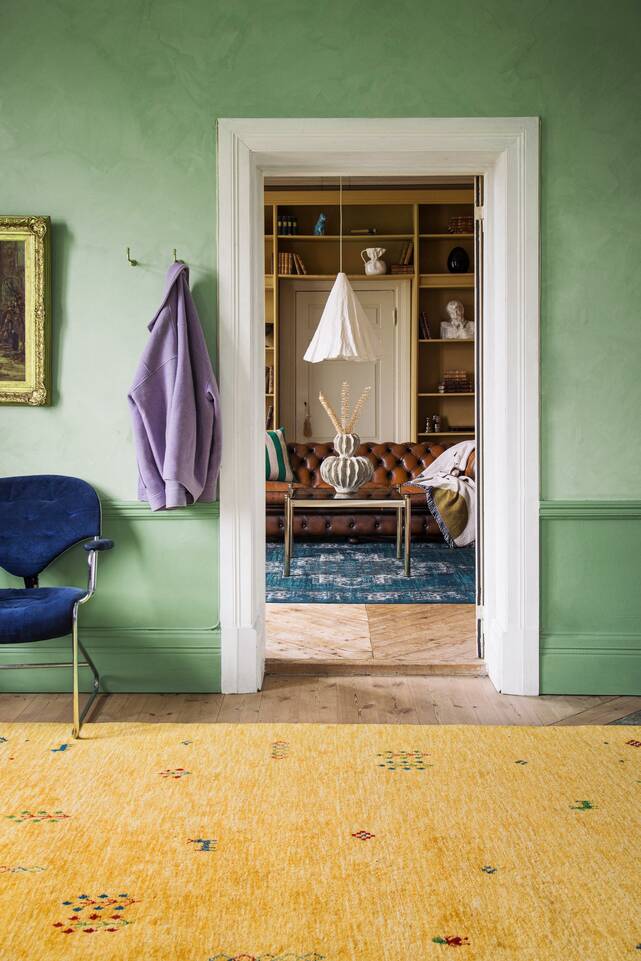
column 373, row 262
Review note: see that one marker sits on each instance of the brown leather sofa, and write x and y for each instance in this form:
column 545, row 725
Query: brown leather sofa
column 394, row 464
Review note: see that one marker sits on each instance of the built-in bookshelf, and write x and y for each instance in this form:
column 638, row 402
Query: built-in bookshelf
column 418, row 226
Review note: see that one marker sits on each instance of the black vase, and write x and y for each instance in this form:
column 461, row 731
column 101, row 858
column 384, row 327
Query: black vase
column 458, row 261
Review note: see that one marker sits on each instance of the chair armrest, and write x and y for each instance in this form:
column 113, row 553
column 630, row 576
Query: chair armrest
column 92, row 548
column 100, row 544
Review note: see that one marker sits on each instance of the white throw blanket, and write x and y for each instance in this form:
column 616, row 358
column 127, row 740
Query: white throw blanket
column 451, row 496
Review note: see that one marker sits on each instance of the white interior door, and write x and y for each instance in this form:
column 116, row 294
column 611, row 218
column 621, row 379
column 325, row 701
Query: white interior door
column 386, row 415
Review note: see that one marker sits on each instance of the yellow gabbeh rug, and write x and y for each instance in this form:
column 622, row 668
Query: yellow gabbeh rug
column 306, row 842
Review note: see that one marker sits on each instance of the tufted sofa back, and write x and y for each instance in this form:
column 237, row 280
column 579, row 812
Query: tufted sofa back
column 393, row 463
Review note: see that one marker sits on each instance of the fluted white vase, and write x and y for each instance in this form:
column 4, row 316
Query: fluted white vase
column 346, row 472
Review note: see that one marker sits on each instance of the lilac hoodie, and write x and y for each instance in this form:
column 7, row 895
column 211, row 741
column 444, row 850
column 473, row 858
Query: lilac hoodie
column 174, row 405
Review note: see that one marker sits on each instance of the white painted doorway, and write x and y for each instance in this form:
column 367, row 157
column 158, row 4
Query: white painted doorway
column 387, row 415
column 505, row 151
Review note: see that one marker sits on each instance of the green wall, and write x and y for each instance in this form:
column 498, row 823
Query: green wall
column 107, row 124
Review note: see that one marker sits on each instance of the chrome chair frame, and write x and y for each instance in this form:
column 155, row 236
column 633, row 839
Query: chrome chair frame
column 76, row 645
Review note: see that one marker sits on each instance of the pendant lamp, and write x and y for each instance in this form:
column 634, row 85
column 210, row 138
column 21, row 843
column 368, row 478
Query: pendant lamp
column 344, row 331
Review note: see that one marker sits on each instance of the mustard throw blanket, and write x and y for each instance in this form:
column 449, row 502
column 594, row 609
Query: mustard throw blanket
column 451, row 496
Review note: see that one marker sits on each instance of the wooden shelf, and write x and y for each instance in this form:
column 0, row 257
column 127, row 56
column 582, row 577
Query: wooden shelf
column 351, row 238
column 449, row 393
column 448, row 433
column 447, row 280
column 351, row 276
column 445, row 236
column 446, row 340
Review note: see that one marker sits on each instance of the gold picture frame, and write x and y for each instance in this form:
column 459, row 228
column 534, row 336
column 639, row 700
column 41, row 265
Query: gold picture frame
column 24, row 310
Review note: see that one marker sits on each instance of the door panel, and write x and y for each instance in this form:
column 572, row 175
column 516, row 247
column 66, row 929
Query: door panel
column 386, row 414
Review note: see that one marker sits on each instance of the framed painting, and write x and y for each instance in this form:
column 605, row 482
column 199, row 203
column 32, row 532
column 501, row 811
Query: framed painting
column 24, row 310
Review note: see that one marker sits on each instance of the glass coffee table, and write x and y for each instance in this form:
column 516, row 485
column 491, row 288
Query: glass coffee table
column 372, row 499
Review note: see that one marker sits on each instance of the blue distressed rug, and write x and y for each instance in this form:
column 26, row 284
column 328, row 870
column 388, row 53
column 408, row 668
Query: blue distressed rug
column 368, row 573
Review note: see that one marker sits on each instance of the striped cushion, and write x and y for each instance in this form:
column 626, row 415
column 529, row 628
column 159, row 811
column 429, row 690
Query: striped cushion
column 277, row 466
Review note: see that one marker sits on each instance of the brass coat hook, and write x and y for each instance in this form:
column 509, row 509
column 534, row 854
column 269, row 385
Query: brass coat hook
column 132, row 263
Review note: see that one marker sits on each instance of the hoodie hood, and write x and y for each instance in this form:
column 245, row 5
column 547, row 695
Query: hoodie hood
column 175, row 270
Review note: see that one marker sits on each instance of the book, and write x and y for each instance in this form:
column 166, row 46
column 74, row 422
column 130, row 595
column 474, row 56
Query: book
column 285, row 263
column 424, row 326
column 269, row 416
column 402, row 269
column 299, row 265
column 407, row 258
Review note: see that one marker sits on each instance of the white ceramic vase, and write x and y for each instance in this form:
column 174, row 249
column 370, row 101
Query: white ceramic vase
column 346, row 472
column 373, row 259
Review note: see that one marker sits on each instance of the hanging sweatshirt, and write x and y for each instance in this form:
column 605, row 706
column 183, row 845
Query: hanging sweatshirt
column 175, row 406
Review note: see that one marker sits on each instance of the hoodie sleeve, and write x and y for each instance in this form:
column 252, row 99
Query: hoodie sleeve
column 150, row 483
column 150, row 398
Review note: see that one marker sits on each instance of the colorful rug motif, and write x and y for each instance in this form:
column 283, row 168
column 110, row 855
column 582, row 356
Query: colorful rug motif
column 368, row 573
column 357, row 843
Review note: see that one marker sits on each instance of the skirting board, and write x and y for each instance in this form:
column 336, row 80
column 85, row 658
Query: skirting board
column 166, row 663
column 591, row 672
column 590, row 601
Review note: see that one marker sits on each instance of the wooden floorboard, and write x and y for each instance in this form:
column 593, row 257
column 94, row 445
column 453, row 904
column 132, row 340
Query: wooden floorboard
column 376, row 639
column 330, row 699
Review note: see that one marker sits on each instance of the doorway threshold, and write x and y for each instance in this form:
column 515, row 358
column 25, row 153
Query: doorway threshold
column 381, row 639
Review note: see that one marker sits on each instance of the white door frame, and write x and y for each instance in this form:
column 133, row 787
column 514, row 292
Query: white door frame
column 506, row 152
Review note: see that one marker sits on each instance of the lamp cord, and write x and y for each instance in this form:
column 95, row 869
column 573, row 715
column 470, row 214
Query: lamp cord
column 340, row 224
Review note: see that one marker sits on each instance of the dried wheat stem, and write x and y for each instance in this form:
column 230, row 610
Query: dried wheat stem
column 344, row 404
column 330, row 413
column 359, row 406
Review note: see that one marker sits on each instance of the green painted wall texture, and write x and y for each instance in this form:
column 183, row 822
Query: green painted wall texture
column 107, row 124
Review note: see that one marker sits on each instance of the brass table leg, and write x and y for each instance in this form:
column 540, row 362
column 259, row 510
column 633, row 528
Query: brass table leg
column 408, row 534
column 288, row 542
column 291, row 528
column 400, row 510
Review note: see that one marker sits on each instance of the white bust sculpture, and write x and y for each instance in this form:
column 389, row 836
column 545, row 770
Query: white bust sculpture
column 457, row 327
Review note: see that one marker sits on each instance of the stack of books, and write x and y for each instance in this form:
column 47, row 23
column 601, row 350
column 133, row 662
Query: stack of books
column 269, row 380
column 404, row 265
column 290, row 263
column 457, row 382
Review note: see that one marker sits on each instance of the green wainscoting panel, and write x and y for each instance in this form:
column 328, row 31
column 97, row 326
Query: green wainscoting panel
column 591, row 597
column 153, row 624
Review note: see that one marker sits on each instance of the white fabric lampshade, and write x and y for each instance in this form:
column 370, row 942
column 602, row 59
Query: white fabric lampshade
column 344, row 331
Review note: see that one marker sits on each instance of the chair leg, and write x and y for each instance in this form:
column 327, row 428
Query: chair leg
column 79, row 716
column 75, row 731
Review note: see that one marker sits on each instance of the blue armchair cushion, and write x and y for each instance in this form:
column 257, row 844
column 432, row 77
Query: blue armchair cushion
column 36, row 614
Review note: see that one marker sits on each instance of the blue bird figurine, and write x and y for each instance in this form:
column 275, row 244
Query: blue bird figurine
column 319, row 227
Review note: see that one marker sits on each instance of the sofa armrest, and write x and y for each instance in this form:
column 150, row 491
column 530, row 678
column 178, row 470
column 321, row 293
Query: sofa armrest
column 410, row 488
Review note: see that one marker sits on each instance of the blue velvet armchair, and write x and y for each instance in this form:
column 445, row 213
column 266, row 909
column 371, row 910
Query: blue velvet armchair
column 41, row 516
